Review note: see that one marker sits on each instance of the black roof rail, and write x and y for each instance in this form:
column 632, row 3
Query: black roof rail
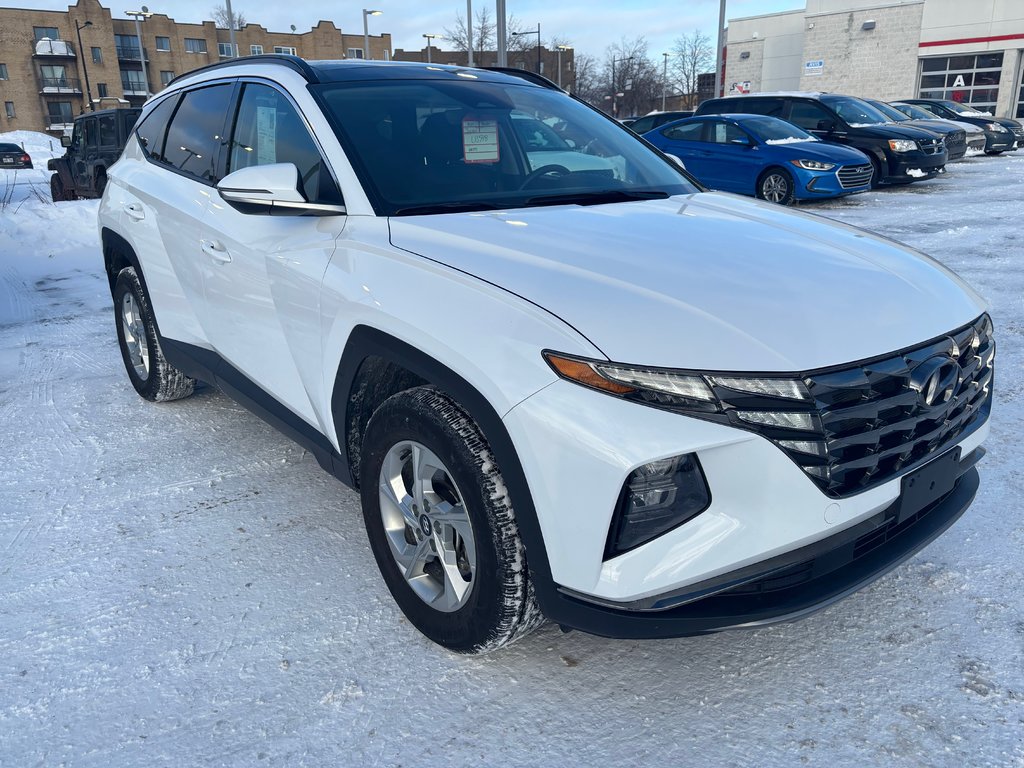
column 523, row 74
column 284, row 59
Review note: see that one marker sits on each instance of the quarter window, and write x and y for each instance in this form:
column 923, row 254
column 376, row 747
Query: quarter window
column 269, row 130
column 151, row 132
column 195, row 133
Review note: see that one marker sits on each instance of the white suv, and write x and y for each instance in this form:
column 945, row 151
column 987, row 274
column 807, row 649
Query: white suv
column 581, row 388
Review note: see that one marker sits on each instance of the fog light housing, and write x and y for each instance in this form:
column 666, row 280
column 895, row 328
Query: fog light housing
column 657, row 497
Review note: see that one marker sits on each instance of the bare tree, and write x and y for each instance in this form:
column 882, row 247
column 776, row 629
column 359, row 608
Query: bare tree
column 693, row 54
column 588, row 79
column 628, row 70
column 484, row 33
column 224, row 20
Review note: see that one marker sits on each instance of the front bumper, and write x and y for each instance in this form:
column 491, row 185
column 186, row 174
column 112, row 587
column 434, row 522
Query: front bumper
column 825, row 184
column 913, row 166
column 999, row 142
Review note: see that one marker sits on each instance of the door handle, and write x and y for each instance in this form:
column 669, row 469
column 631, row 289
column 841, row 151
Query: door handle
column 215, row 251
column 135, row 211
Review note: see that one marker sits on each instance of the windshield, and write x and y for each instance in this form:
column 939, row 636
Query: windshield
column 772, row 130
column 890, row 112
column 916, row 112
column 963, row 109
column 427, row 146
column 856, row 112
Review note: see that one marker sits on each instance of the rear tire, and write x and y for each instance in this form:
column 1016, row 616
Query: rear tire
column 152, row 376
column 776, row 185
column 58, row 193
column 441, row 524
column 100, row 182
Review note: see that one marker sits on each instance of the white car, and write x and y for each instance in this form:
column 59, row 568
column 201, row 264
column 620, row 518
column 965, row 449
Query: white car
column 588, row 392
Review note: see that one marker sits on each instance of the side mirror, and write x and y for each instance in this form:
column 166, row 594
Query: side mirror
column 65, row 141
column 271, row 190
column 827, row 125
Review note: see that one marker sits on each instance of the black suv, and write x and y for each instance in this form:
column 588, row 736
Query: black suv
column 900, row 154
column 953, row 135
column 1001, row 133
column 658, row 119
column 94, row 145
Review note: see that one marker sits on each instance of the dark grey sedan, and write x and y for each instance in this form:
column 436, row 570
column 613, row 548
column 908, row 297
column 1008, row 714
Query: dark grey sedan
column 13, row 156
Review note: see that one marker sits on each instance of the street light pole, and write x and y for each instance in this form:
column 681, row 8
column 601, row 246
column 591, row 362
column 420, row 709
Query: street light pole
column 500, row 32
column 615, row 106
column 366, row 32
column 664, row 81
column 719, row 63
column 430, row 39
column 85, row 68
column 138, row 15
column 469, row 33
column 537, row 33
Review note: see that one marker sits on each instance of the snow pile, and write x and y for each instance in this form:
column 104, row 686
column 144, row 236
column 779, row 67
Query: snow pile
column 916, row 173
column 790, row 140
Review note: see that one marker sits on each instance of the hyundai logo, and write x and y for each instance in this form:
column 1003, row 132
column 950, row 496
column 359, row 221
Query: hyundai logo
column 936, row 380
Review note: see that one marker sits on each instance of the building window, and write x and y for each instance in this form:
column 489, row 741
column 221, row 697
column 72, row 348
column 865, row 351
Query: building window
column 355, row 53
column 97, row 55
column 132, row 80
column 163, row 43
column 127, row 47
column 166, row 76
column 969, row 79
column 226, row 51
column 9, row 106
column 3, row 72
column 101, row 90
column 284, row 49
column 54, row 76
column 255, row 50
column 60, row 112
column 50, row 32
column 195, row 45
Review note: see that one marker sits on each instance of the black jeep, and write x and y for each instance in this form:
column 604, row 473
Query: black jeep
column 94, row 145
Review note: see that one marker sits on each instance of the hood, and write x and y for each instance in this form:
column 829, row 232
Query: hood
column 817, row 150
column 1007, row 122
column 892, row 131
column 971, row 128
column 707, row 281
column 935, row 126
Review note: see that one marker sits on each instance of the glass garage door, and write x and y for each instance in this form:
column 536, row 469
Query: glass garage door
column 969, row 79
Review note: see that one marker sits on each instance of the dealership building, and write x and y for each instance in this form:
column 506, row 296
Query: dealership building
column 969, row 51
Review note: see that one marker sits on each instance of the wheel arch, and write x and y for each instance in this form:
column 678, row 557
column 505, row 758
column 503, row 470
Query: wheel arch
column 376, row 365
column 118, row 254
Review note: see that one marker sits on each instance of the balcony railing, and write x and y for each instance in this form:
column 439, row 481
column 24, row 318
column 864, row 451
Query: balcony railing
column 48, row 47
column 60, row 85
column 134, row 89
column 130, row 53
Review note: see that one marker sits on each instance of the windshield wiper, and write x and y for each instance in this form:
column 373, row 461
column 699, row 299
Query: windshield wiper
column 452, row 207
column 598, row 197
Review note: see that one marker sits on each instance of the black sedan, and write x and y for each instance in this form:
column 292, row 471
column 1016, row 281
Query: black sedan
column 1001, row 133
column 13, row 156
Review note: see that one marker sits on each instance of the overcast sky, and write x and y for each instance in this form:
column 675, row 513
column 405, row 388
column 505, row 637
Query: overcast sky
column 589, row 25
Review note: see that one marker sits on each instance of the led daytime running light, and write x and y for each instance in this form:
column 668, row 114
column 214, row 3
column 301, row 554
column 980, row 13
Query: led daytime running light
column 792, row 389
column 785, row 420
column 679, row 384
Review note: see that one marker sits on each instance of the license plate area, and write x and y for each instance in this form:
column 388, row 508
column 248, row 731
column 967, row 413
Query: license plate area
column 9, row 160
column 929, row 483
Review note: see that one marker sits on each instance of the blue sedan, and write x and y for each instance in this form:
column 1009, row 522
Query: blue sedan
column 763, row 156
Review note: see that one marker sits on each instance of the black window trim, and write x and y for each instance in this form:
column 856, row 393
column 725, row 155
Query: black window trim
column 233, row 113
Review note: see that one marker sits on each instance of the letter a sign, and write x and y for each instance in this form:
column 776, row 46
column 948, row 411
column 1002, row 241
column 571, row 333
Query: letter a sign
column 959, row 82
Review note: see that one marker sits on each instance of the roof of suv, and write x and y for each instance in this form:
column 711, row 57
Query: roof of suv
column 342, row 70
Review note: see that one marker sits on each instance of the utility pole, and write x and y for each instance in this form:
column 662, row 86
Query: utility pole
column 469, row 33
column 719, row 62
column 615, row 91
column 85, row 69
column 500, row 31
column 231, row 28
column 664, row 81
column 138, row 15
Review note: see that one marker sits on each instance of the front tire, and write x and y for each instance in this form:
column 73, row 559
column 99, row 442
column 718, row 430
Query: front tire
column 58, row 192
column 152, row 376
column 776, row 186
column 441, row 524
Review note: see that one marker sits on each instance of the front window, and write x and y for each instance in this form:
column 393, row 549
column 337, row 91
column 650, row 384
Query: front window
column 857, row 113
column 455, row 144
column 771, row 130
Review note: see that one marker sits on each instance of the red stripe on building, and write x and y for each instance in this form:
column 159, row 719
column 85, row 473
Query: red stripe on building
column 966, row 40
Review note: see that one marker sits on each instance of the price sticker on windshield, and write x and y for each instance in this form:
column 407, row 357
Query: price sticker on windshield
column 480, row 140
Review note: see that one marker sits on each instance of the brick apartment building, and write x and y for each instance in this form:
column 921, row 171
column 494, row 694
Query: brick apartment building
column 522, row 59
column 46, row 77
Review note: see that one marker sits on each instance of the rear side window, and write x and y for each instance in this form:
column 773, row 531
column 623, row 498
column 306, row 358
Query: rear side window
column 269, row 130
column 807, row 115
column 724, row 133
column 196, row 130
column 152, row 130
column 108, row 131
column 686, row 132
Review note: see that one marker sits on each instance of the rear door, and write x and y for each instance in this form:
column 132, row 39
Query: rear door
column 86, row 147
column 732, row 159
column 262, row 273
column 684, row 141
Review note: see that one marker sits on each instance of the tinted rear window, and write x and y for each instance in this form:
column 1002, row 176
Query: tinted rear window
column 152, row 130
column 10, row 148
column 196, row 131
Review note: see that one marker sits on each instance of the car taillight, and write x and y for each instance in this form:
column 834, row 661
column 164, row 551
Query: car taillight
column 26, row 159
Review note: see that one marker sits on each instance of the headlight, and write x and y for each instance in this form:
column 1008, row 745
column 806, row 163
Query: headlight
column 813, row 165
column 995, row 128
column 758, row 401
column 902, row 145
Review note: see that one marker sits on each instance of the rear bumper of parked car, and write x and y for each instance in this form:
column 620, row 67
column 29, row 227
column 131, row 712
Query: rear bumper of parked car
column 843, row 180
column 769, row 547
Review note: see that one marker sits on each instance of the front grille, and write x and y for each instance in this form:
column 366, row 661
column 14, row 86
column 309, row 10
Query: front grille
column 1019, row 133
column 855, row 175
column 956, row 140
column 930, row 146
column 871, row 422
column 874, row 424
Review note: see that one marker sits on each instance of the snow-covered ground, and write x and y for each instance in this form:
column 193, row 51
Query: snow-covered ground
column 181, row 585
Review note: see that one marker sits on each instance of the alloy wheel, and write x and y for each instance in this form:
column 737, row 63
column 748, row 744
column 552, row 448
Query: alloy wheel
column 135, row 340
